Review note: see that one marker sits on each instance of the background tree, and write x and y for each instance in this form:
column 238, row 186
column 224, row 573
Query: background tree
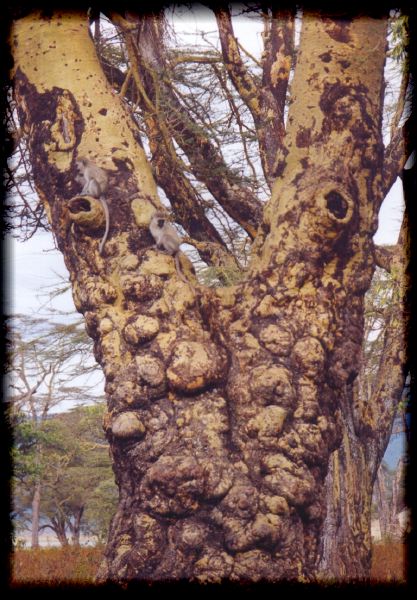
column 46, row 359
column 69, row 456
column 389, row 501
column 227, row 404
column 78, row 469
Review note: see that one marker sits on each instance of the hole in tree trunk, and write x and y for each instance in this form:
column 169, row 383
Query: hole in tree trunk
column 80, row 205
column 336, row 204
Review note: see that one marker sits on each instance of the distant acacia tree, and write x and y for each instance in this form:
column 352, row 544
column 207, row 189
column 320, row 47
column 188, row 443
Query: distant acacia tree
column 78, row 468
column 45, row 359
column 242, row 446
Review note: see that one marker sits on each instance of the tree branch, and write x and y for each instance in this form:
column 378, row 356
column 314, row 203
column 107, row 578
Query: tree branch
column 206, row 163
column 266, row 114
column 402, row 96
column 393, row 162
column 179, row 59
column 278, row 54
column 244, row 83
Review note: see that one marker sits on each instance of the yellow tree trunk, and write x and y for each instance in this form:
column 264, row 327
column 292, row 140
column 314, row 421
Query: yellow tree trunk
column 224, row 405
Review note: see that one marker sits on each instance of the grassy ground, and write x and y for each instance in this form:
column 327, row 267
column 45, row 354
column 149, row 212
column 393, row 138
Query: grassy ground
column 55, row 566
column 388, row 562
column 59, row 566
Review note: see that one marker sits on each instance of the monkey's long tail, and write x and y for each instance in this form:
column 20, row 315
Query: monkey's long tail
column 179, row 271
column 106, row 232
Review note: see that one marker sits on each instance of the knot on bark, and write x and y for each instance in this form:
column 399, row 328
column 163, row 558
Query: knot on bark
column 241, row 501
column 263, row 530
column 332, row 211
column 218, row 478
column 267, row 424
column 145, row 557
column 128, row 425
column 276, row 339
column 286, row 478
column 213, row 566
column 141, row 287
column 277, row 505
column 189, row 535
column 174, row 485
column 336, row 204
column 140, row 330
column 123, row 387
column 93, row 295
column 195, row 366
column 309, row 356
column 87, row 212
column 272, row 384
column 150, row 370
column 325, row 209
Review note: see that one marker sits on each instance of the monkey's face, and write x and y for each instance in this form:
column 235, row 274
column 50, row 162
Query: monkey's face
column 159, row 219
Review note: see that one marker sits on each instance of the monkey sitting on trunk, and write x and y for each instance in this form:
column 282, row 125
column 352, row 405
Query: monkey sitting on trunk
column 166, row 238
column 95, row 182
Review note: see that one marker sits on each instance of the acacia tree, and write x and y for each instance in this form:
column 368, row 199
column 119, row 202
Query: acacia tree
column 78, row 465
column 46, row 359
column 227, row 405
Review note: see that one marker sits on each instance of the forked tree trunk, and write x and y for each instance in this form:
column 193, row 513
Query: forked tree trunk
column 224, row 405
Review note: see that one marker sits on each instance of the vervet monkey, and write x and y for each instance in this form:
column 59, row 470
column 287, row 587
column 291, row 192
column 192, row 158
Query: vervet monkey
column 166, row 238
column 95, row 182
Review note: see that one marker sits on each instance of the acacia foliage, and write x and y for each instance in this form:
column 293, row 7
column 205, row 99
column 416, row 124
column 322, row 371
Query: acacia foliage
column 69, row 455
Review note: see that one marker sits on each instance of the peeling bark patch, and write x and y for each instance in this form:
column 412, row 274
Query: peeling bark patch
column 279, row 168
column 303, row 139
column 345, row 107
column 48, row 115
column 336, row 204
column 325, row 57
column 344, row 64
column 338, row 30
